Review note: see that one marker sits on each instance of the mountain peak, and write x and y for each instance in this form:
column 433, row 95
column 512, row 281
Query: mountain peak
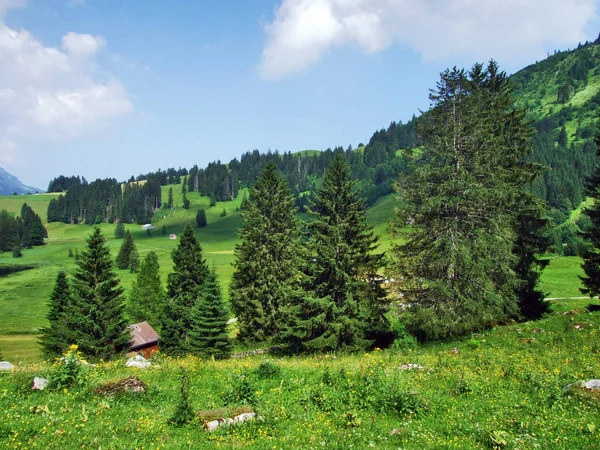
column 9, row 184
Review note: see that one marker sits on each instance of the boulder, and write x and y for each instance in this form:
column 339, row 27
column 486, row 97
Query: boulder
column 138, row 361
column 592, row 385
column 411, row 366
column 39, row 384
column 5, row 365
column 130, row 384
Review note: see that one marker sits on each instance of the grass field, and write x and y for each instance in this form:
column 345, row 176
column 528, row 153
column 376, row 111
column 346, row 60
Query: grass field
column 23, row 295
column 502, row 389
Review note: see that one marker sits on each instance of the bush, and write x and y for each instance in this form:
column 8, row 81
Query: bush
column 69, row 370
column 268, row 369
column 241, row 392
column 184, row 412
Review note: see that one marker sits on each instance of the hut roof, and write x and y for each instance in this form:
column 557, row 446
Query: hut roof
column 142, row 335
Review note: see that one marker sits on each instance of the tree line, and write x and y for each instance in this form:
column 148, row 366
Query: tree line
column 24, row 231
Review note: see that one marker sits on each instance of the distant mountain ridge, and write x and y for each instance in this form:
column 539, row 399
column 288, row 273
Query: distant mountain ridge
column 9, row 184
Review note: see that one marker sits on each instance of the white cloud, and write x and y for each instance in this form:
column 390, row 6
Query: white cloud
column 52, row 93
column 303, row 31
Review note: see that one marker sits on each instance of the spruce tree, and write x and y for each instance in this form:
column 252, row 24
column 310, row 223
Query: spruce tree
column 267, row 262
column 96, row 317
column 345, row 305
column 124, row 255
column 201, row 218
column 148, row 297
column 134, row 260
column 170, row 201
column 591, row 255
column 184, row 286
column 458, row 265
column 55, row 339
column 120, row 230
column 208, row 333
column 33, row 232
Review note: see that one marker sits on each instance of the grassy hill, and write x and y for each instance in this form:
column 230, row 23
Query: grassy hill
column 502, row 389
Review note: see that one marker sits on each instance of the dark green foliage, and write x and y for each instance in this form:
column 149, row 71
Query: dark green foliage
column 33, row 232
column 266, row 269
column 186, row 202
column 268, row 369
column 163, row 229
column 224, row 213
column 201, row 218
column 345, row 304
column 120, row 230
column 170, row 199
column 71, row 255
column 96, row 318
column 134, row 260
column 458, row 262
column 147, row 299
column 124, row 255
column 62, row 183
column 17, row 251
column 54, row 339
column 591, row 255
column 208, row 336
column 184, row 412
column 9, row 231
column 184, row 286
column 242, row 391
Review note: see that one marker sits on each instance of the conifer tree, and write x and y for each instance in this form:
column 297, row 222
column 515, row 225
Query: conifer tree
column 170, row 201
column 458, row 265
column 120, row 230
column 184, row 286
column 134, row 260
column 124, row 255
column 96, row 317
column 147, row 299
column 201, row 218
column 345, row 305
column 54, row 338
column 267, row 265
column 208, row 333
column 591, row 255
column 33, row 232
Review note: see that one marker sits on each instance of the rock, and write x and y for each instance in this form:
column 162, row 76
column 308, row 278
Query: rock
column 138, row 361
column 130, row 384
column 243, row 418
column 212, row 426
column 592, row 385
column 39, row 384
column 411, row 366
column 455, row 351
column 228, row 421
column 5, row 365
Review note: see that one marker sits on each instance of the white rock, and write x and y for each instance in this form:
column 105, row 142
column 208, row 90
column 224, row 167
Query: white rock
column 243, row 417
column 138, row 361
column 212, row 426
column 411, row 366
column 39, row 384
column 592, row 384
column 5, row 365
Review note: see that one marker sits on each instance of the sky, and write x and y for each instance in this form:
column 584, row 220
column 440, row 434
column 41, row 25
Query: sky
column 114, row 88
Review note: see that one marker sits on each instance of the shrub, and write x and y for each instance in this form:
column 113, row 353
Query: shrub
column 241, row 392
column 184, row 413
column 268, row 369
column 69, row 370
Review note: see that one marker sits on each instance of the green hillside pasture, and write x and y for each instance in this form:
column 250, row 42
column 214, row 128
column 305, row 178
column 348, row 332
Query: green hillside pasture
column 37, row 202
column 561, row 277
column 503, row 389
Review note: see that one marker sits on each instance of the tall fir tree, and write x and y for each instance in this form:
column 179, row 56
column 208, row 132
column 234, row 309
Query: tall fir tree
column 33, row 232
column 96, row 316
column 591, row 255
column 458, row 264
column 124, row 255
column 345, row 306
column 208, row 333
column 134, row 260
column 147, row 299
column 201, row 218
column 56, row 337
column 120, row 230
column 184, row 286
column 170, row 199
column 267, row 262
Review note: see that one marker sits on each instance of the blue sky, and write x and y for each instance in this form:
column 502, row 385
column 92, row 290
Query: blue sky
column 113, row 88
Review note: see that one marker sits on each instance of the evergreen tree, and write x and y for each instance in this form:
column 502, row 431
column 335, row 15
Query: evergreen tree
column 33, row 232
column 163, row 230
column 8, row 231
column 201, row 218
column 124, row 255
column 147, row 299
column 458, row 264
column 266, row 268
column 184, row 286
column 170, row 201
column 54, row 339
column 120, row 230
column 345, row 304
column 208, row 333
column 591, row 255
column 186, row 202
column 96, row 318
column 134, row 260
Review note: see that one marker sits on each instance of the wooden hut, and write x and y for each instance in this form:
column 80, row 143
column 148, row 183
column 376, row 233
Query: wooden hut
column 144, row 339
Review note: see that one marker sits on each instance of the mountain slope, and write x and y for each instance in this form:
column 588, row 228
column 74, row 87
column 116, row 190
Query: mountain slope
column 10, row 184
